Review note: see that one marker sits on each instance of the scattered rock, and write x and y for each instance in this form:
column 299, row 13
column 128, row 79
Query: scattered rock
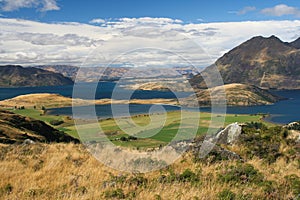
column 210, row 152
column 224, row 153
column 28, row 141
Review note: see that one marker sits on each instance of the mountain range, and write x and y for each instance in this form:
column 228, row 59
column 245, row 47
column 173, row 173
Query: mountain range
column 260, row 61
column 18, row 76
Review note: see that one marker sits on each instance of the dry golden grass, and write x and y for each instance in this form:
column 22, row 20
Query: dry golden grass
column 68, row 171
column 55, row 101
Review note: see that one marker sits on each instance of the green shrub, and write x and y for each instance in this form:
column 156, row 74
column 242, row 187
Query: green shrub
column 81, row 190
column 34, row 192
column 118, row 179
column 226, row 195
column 188, row 176
column 138, row 181
column 123, row 138
column 263, row 143
column 241, row 173
column 255, row 125
column 293, row 182
column 132, row 138
column 117, row 193
column 7, row 189
column 244, row 197
column 56, row 122
column 270, row 188
column 294, row 126
column 157, row 197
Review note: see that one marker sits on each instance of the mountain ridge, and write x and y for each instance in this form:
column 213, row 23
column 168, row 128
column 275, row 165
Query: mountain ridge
column 18, row 76
column 265, row 62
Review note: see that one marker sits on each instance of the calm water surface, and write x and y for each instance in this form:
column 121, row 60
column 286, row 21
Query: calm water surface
column 281, row 112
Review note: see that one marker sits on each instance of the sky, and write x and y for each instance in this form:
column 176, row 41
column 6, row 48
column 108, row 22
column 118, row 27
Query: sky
column 137, row 33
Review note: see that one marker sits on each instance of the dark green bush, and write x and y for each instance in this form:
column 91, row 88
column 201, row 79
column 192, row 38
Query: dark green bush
column 256, row 125
column 263, row 143
column 294, row 126
column 138, row 181
column 132, row 137
column 226, row 195
column 118, row 179
column 117, row 193
column 7, row 189
column 56, row 122
column 123, row 138
column 188, row 176
column 241, row 173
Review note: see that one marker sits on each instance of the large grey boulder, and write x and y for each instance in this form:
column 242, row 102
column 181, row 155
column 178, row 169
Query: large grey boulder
column 229, row 135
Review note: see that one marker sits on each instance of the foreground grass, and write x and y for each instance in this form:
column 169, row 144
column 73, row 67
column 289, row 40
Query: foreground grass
column 68, row 171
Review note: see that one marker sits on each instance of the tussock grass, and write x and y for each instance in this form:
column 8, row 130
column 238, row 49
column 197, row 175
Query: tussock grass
column 68, row 171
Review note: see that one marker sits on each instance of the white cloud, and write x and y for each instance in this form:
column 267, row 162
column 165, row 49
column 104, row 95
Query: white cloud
column 243, row 11
column 49, row 5
column 42, row 5
column 97, row 21
column 246, row 10
column 50, row 39
column 134, row 41
column 157, row 21
column 281, row 10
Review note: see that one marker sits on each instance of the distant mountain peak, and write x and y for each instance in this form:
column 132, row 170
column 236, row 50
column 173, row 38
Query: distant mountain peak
column 261, row 61
column 18, row 76
column 295, row 43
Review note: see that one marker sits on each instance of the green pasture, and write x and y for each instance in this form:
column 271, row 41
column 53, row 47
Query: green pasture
column 151, row 131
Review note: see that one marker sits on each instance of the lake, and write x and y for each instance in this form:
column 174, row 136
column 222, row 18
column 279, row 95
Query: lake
column 281, row 112
column 104, row 90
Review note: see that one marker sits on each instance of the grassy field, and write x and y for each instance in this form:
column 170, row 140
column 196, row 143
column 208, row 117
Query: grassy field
column 119, row 130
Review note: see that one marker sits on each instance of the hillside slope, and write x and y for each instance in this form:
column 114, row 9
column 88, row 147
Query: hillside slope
column 16, row 128
column 18, row 76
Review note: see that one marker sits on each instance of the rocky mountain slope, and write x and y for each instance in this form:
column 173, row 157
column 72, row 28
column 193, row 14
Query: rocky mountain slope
column 93, row 74
column 263, row 62
column 18, row 76
column 16, row 129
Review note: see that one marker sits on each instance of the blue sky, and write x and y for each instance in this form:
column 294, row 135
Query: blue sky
column 36, row 32
column 186, row 10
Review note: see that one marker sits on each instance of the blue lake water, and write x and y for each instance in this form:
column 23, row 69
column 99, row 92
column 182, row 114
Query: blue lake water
column 104, row 90
column 281, row 112
column 105, row 111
